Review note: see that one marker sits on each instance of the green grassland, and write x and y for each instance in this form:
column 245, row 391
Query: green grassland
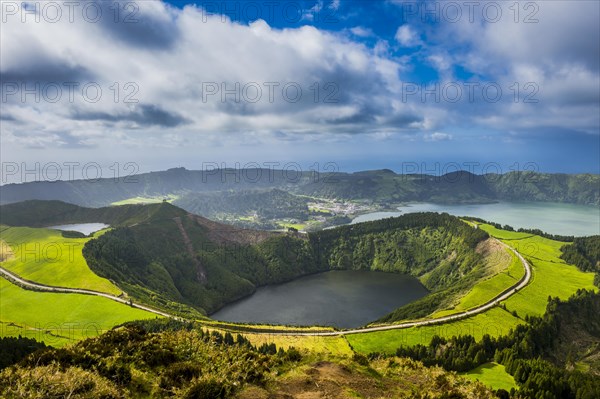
column 551, row 277
column 488, row 289
column 331, row 345
column 231, row 326
column 58, row 319
column 335, row 345
column 494, row 322
column 325, row 212
column 46, row 257
column 493, row 375
column 491, row 287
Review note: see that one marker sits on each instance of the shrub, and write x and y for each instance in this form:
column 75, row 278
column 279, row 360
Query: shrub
column 206, row 389
column 177, row 374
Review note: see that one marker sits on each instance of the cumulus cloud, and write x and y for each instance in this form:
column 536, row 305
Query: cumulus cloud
column 309, row 15
column 543, row 56
column 361, row 31
column 406, row 36
column 178, row 76
column 204, row 74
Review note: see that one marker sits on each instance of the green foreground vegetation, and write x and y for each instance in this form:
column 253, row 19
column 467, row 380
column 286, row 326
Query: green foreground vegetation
column 166, row 358
column 493, row 375
column 171, row 360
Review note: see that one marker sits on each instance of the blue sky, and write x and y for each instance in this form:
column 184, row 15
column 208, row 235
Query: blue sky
column 356, row 84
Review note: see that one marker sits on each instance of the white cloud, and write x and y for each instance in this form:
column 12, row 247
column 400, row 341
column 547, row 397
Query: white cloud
column 359, row 88
column 309, row 15
column 437, row 136
column 406, row 36
column 361, row 31
column 441, row 62
column 211, row 77
column 548, row 53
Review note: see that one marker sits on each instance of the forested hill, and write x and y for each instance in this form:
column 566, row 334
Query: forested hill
column 584, row 253
column 383, row 186
column 36, row 213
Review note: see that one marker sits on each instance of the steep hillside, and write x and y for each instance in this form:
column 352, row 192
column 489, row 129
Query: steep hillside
column 576, row 326
column 192, row 260
column 382, row 186
column 531, row 186
column 438, row 249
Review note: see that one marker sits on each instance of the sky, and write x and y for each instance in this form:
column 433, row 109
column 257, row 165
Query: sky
column 103, row 88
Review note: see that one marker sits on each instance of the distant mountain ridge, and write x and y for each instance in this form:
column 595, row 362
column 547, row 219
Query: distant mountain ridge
column 379, row 186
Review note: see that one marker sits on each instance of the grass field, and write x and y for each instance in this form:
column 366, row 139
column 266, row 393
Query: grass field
column 494, row 322
column 491, row 287
column 58, row 319
column 331, row 345
column 230, row 325
column 46, row 257
column 551, row 277
column 493, row 375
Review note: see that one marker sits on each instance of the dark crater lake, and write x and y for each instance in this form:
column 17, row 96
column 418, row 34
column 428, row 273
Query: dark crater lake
column 343, row 299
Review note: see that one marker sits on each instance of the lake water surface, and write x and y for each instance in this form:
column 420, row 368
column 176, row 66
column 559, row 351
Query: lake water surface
column 555, row 218
column 85, row 228
column 343, row 299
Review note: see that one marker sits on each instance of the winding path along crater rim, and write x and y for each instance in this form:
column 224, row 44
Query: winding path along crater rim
column 504, row 295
